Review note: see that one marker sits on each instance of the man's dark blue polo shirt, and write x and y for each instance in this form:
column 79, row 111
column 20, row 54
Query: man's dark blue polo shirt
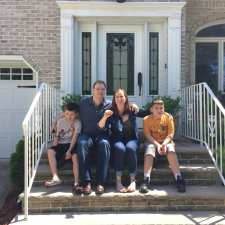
column 90, row 116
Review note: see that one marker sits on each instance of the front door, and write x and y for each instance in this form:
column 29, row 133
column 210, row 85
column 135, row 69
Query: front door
column 124, row 56
column 120, row 60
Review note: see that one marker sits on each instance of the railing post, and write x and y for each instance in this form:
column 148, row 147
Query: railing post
column 201, row 114
column 26, row 179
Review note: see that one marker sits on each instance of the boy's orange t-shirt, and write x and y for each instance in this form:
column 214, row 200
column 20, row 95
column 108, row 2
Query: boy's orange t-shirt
column 160, row 128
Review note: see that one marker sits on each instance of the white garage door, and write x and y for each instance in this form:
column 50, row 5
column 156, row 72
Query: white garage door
column 17, row 89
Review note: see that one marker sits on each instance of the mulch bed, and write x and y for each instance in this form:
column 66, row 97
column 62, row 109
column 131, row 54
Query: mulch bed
column 10, row 207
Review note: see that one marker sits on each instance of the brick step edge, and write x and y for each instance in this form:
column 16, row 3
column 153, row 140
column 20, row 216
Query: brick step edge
column 156, row 182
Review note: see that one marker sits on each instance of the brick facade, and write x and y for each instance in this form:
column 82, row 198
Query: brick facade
column 198, row 13
column 31, row 28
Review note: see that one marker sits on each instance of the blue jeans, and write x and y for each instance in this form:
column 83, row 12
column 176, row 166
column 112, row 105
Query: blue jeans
column 130, row 150
column 101, row 146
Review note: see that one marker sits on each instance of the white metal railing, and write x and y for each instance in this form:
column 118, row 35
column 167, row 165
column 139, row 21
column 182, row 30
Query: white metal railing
column 203, row 120
column 36, row 129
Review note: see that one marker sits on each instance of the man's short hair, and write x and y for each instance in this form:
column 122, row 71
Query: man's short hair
column 99, row 82
column 71, row 107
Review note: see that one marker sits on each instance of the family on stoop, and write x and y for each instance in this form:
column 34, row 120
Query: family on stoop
column 98, row 132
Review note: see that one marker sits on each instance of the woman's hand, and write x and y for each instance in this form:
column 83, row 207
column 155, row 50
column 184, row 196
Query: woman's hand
column 108, row 113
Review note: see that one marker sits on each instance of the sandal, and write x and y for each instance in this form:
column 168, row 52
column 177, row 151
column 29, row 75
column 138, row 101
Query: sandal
column 52, row 182
column 120, row 188
column 77, row 189
column 132, row 187
column 87, row 189
column 99, row 190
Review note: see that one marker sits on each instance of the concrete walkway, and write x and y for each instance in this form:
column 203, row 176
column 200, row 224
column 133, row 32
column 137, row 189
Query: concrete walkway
column 187, row 218
column 4, row 180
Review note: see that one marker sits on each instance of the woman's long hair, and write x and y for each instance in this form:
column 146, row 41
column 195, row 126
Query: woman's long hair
column 126, row 106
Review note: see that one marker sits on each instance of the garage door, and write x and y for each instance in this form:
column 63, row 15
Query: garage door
column 17, row 89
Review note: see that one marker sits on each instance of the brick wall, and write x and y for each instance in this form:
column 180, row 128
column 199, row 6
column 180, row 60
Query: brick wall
column 31, row 28
column 198, row 13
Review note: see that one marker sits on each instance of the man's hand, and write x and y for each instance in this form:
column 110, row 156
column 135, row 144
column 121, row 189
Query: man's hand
column 108, row 113
column 134, row 108
column 68, row 155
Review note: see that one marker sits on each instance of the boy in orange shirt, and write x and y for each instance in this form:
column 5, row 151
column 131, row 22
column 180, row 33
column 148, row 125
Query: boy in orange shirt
column 159, row 132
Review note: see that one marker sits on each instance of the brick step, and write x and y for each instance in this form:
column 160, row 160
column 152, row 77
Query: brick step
column 165, row 198
column 183, row 159
column 194, row 174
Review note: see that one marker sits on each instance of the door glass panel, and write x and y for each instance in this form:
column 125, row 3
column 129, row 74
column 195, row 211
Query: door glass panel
column 207, row 64
column 86, row 63
column 120, row 62
column 153, row 63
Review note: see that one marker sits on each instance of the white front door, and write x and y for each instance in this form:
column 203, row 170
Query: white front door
column 120, row 59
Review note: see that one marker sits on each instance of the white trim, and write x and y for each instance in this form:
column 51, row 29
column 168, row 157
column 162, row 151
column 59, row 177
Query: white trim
column 133, row 9
column 174, row 56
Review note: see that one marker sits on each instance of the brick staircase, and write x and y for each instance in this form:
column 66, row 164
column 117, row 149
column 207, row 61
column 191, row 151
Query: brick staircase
column 204, row 190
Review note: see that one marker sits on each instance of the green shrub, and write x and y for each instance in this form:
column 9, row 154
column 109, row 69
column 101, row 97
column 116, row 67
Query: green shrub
column 172, row 105
column 69, row 98
column 17, row 166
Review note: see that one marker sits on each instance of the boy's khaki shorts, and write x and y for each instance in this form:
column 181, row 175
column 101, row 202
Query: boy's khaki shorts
column 151, row 149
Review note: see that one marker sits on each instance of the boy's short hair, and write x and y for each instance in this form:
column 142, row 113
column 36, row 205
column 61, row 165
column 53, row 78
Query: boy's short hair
column 71, row 107
column 157, row 102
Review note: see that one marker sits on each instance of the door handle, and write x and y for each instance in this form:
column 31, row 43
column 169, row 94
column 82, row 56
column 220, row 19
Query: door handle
column 139, row 82
column 26, row 86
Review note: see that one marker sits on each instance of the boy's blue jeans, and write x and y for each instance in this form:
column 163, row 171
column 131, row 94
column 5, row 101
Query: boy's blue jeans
column 129, row 150
column 101, row 148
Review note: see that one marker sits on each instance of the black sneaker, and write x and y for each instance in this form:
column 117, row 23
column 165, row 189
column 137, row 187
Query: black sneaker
column 180, row 183
column 144, row 188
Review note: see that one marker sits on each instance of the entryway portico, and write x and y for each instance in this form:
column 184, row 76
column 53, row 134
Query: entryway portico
column 134, row 45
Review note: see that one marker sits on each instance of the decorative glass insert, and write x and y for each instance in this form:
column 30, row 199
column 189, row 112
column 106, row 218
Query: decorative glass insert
column 16, row 74
column 4, row 73
column 27, row 74
column 120, row 62
column 207, row 64
column 86, row 63
column 212, row 31
column 153, row 63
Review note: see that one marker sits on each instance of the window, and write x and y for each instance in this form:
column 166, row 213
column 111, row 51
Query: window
column 213, row 31
column 210, row 57
column 86, row 63
column 16, row 74
column 153, row 63
column 4, row 73
column 120, row 62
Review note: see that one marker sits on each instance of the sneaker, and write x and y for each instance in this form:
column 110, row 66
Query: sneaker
column 52, row 182
column 144, row 188
column 180, row 183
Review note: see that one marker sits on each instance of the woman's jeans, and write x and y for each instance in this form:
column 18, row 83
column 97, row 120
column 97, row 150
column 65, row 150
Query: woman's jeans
column 126, row 153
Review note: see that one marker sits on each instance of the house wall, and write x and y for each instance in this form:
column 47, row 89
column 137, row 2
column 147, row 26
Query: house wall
column 31, row 28
column 198, row 13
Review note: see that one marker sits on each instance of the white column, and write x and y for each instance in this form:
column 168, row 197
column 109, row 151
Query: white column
column 174, row 56
column 67, row 53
